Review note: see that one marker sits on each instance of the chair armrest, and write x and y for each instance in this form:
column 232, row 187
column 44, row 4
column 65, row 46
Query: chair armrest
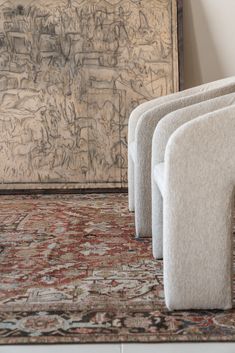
column 142, row 108
column 148, row 123
column 174, row 120
column 208, row 140
column 198, row 202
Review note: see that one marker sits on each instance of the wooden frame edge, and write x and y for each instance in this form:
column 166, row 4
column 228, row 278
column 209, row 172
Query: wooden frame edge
column 180, row 43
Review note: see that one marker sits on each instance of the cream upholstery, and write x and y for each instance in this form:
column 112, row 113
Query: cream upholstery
column 132, row 149
column 193, row 167
column 142, row 124
column 158, row 174
column 162, row 134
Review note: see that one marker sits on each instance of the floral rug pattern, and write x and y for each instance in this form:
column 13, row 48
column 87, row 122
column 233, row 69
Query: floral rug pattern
column 72, row 271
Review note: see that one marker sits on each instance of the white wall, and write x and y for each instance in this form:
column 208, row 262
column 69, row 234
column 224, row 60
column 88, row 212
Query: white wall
column 209, row 40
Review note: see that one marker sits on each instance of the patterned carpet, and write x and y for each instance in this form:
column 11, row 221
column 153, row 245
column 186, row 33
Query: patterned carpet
column 71, row 271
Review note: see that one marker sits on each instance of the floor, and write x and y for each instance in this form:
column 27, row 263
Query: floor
column 125, row 348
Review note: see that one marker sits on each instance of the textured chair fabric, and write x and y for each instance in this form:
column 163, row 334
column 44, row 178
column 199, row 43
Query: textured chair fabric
column 162, row 134
column 193, row 168
column 132, row 151
column 158, row 174
column 142, row 124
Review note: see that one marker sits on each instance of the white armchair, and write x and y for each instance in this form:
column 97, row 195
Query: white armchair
column 142, row 124
column 193, row 179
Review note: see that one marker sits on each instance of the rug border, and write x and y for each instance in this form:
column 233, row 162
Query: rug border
column 112, row 339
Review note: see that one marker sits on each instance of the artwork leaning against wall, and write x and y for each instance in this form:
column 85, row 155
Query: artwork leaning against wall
column 71, row 72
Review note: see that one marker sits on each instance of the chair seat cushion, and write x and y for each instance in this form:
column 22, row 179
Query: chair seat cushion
column 132, row 149
column 158, row 174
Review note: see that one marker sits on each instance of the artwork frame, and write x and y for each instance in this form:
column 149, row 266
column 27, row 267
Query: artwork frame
column 109, row 184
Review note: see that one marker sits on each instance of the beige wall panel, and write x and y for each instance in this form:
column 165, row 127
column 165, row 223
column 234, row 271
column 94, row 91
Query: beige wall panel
column 209, row 46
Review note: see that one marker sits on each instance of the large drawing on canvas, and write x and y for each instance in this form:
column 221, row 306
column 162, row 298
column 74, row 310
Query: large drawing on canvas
column 71, row 71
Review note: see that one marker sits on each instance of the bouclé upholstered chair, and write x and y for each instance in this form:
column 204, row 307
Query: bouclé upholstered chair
column 189, row 219
column 142, row 124
column 193, row 176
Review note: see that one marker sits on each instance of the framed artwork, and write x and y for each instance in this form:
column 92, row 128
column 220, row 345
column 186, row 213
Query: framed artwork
column 71, row 72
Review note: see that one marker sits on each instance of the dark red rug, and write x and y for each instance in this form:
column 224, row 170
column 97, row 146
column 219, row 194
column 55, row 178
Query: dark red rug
column 71, row 271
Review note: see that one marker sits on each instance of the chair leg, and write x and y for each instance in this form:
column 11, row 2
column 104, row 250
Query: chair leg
column 142, row 204
column 131, row 185
column 157, row 222
column 197, row 249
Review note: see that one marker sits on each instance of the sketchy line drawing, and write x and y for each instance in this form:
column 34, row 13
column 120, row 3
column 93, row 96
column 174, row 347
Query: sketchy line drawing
column 71, row 71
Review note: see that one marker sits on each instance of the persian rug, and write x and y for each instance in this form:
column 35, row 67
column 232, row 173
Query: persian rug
column 72, row 271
